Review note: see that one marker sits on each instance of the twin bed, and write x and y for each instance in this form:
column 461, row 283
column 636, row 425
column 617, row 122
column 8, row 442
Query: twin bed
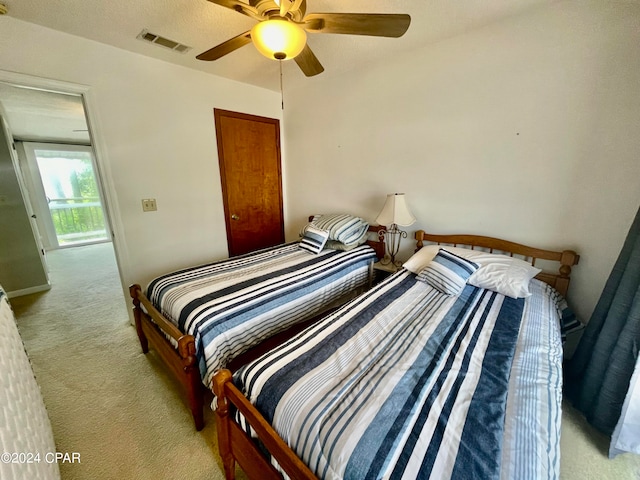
column 200, row 319
column 423, row 376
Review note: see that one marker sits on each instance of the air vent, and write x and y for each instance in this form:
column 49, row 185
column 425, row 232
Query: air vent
column 147, row 36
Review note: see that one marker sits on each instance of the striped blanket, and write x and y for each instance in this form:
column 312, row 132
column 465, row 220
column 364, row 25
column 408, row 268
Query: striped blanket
column 231, row 305
column 406, row 382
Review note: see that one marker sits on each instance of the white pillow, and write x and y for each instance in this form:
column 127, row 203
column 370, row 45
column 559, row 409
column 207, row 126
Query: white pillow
column 499, row 273
column 423, row 257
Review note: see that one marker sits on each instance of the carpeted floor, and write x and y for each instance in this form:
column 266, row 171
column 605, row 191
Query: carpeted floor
column 128, row 419
column 106, row 400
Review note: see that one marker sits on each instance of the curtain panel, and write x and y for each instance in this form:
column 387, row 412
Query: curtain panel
column 599, row 374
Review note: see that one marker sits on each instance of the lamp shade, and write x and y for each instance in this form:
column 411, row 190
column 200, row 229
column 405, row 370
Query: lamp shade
column 395, row 210
column 279, row 39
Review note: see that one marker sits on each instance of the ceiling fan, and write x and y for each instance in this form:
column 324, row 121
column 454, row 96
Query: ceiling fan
column 280, row 33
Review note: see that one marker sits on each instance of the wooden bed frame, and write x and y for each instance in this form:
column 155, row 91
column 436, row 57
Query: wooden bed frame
column 235, row 446
column 153, row 328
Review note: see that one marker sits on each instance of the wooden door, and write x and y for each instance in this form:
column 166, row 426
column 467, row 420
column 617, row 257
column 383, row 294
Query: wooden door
column 249, row 156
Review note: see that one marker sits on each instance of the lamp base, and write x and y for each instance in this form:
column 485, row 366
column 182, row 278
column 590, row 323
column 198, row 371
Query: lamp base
column 394, row 236
column 387, row 260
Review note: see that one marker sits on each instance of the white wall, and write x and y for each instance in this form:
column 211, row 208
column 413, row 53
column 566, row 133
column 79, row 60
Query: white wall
column 526, row 130
column 155, row 139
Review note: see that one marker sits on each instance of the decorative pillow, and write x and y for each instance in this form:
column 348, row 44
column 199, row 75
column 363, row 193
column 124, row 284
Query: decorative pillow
column 314, row 239
column 343, row 228
column 448, row 272
column 500, row 273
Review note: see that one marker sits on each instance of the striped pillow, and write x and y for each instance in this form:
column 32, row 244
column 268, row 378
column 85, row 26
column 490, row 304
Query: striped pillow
column 344, row 228
column 314, row 239
column 447, row 272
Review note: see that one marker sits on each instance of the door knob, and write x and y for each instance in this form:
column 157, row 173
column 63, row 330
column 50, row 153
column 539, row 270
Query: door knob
column 235, row 217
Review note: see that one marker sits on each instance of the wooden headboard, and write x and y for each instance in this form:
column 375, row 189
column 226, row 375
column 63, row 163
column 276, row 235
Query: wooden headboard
column 559, row 280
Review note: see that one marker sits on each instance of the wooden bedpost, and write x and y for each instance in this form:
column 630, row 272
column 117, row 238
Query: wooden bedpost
column 419, row 236
column 568, row 258
column 183, row 358
column 222, row 423
column 195, row 394
column 133, row 291
column 378, row 244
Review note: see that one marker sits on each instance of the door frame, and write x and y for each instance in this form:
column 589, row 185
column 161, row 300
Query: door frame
column 105, row 182
column 218, row 114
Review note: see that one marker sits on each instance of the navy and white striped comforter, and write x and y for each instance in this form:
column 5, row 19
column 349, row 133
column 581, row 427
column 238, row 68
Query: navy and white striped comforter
column 405, row 382
column 231, row 305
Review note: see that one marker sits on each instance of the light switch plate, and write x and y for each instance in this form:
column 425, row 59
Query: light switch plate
column 149, row 205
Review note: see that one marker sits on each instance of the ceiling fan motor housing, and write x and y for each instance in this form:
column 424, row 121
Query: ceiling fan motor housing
column 268, row 8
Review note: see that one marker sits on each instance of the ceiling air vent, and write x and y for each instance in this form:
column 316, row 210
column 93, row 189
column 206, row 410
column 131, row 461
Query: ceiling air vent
column 162, row 41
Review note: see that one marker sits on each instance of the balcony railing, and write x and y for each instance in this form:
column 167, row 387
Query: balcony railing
column 77, row 219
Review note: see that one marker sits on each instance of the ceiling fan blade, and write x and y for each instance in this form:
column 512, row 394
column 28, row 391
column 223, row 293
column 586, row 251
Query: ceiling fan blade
column 374, row 24
column 239, row 7
column 226, row 47
column 308, row 62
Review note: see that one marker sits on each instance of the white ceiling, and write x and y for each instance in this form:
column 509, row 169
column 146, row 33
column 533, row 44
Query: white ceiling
column 37, row 116
column 202, row 25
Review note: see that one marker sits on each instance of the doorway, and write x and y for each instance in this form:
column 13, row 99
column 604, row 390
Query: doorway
column 55, row 116
column 66, row 193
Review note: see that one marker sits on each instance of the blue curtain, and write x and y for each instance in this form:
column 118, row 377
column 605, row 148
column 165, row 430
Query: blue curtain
column 599, row 374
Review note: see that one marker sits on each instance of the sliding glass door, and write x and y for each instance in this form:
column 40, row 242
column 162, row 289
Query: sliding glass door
column 67, row 190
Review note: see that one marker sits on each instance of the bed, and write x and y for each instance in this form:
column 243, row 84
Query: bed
column 26, row 439
column 199, row 319
column 434, row 373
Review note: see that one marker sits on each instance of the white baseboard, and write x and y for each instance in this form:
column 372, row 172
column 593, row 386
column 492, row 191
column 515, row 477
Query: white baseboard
column 28, row 291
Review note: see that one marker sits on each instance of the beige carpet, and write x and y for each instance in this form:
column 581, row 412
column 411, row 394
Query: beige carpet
column 127, row 417
column 106, row 400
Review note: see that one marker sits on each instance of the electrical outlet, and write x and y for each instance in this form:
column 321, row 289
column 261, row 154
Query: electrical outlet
column 149, row 205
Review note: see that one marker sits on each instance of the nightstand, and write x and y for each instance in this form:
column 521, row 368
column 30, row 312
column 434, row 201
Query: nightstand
column 382, row 271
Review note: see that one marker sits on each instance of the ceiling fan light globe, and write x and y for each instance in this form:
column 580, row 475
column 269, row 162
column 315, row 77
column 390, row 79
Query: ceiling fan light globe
column 279, row 39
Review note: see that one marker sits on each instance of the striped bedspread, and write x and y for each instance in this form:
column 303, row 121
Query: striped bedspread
column 405, row 382
column 231, row 305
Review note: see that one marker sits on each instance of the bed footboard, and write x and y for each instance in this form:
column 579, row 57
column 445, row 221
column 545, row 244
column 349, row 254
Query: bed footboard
column 236, row 446
column 151, row 328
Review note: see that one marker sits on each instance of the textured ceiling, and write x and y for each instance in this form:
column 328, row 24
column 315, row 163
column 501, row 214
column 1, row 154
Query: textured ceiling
column 202, row 25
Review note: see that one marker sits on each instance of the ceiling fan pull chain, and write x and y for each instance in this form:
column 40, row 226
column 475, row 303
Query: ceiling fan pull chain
column 281, row 89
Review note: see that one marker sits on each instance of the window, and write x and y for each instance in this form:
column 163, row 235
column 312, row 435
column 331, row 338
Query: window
column 66, row 188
